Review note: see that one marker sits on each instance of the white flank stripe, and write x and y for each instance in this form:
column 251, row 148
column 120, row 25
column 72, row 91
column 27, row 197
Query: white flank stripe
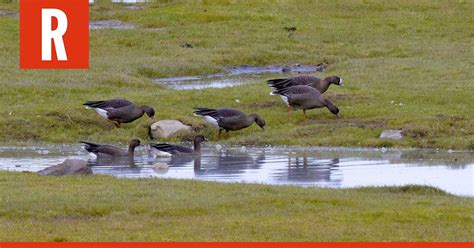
column 211, row 120
column 101, row 112
column 159, row 153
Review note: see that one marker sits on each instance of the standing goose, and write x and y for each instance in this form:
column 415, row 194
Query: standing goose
column 229, row 119
column 119, row 110
column 313, row 81
column 107, row 150
column 304, row 97
column 169, row 150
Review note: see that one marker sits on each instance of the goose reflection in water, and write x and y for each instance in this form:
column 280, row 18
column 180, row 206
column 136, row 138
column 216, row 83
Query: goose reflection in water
column 309, row 169
column 227, row 165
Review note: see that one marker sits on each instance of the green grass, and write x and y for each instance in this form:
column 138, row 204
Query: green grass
column 418, row 53
column 103, row 208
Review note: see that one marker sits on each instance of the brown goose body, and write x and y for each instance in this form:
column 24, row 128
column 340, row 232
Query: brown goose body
column 305, row 97
column 229, row 119
column 120, row 110
column 313, row 81
column 112, row 151
column 163, row 149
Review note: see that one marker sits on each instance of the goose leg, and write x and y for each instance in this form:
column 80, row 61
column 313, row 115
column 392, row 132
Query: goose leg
column 116, row 123
column 219, row 134
column 304, row 114
column 289, row 112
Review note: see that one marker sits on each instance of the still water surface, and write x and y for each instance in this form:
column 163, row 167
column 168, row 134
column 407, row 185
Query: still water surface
column 452, row 171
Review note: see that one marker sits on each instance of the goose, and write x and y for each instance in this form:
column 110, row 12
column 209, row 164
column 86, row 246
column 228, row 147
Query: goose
column 304, row 97
column 108, row 150
column 164, row 150
column 313, row 81
column 119, row 110
column 229, row 119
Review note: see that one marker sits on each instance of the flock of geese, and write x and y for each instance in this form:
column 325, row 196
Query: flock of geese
column 301, row 92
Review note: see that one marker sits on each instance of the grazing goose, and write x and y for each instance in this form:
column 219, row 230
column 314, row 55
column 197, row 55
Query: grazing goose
column 107, row 150
column 313, row 81
column 119, row 110
column 229, row 119
column 163, row 150
column 304, row 97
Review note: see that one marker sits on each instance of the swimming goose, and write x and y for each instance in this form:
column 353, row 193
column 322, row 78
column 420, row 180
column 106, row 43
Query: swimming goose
column 304, row 97
column 170, row 150
column 107, row 150
column 313, row 81
column 229, row 119
column 119, row 110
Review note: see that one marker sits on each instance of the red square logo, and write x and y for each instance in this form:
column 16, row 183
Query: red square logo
column 54, row 34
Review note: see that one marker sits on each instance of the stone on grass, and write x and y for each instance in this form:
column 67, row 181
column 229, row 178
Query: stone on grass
column 67, row 168
column 391, row 134
column 167, row 128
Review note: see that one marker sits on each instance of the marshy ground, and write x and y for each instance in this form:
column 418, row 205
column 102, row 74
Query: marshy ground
column 406, row 65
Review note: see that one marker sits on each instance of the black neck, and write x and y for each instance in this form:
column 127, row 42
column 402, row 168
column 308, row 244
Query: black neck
column 131, row 149
column 197, row 147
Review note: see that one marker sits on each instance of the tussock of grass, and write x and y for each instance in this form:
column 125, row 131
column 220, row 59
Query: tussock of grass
column 103, row 208
column 414, row 53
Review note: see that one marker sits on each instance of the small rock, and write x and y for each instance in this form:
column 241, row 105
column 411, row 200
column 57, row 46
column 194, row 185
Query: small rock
column 66, row 168
column 161, row 166
column 167, row 128
column 391, row 134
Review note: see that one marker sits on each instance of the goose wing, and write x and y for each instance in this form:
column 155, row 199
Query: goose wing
column 108, row 104
column 293, row 81
column 172, row 149
column 103, row 149
column 125, row 114
column 223, row 117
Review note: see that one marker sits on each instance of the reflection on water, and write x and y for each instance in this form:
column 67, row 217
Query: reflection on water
column 325, row 167
column 235, row 76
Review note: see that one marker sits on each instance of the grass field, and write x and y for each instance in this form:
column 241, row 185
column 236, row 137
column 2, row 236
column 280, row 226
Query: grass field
column 102, row 208
column 417, row 53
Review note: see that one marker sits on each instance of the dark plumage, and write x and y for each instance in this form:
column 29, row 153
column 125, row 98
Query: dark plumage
column 169, row 149
column 119, row 110
column 229, row 119
column 313, row 81
column 304, row 97
column 107, row 150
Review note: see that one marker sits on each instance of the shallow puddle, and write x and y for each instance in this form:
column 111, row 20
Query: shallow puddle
column 318, row 166
column 124, row 1
column 109, row 24
column 235, row 76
